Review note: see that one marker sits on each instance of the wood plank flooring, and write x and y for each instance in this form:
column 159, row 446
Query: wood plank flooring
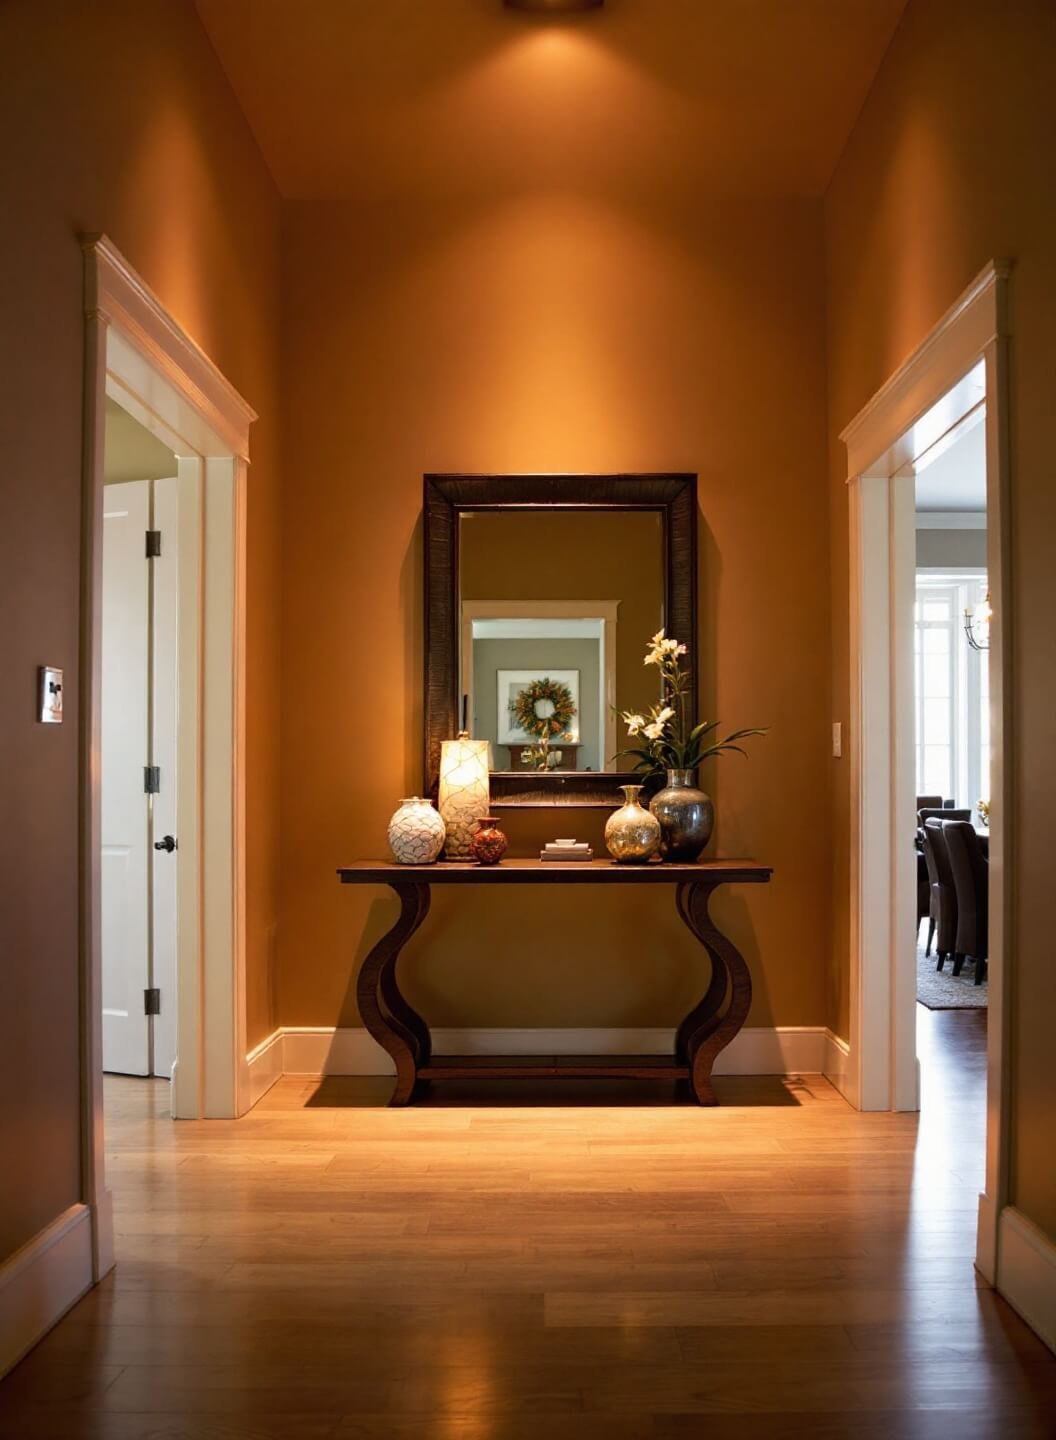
column 512, row 1262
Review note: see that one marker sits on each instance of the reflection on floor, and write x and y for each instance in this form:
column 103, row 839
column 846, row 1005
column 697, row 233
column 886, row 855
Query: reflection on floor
column 779, row 1267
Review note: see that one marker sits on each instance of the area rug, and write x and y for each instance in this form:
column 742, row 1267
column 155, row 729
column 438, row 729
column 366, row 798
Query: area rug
column 942, row 990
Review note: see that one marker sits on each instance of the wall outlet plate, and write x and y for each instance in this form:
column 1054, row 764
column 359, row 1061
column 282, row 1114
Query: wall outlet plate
column 50, row 685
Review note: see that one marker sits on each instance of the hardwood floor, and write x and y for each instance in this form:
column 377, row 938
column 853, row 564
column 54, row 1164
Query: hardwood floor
column 779, row 1267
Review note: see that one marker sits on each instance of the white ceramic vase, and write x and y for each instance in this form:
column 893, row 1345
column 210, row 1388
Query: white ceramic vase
column 416, row 832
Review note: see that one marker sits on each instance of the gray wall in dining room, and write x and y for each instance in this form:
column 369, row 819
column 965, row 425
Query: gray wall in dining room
column 542, row 656
column 951, row 549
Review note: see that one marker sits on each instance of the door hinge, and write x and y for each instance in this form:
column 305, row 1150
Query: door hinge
column 152, row 1001
column 151, row 779
column 153, row 543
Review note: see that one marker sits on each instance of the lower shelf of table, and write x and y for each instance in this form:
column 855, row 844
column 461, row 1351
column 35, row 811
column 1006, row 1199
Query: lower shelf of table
column 566, row 1067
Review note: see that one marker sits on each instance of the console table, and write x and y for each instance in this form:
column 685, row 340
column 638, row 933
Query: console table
column 706, row 1030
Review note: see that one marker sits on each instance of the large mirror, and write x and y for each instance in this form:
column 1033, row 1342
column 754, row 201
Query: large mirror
column 541, row 595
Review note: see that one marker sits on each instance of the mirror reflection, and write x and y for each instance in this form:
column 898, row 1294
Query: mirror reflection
column 556, row 608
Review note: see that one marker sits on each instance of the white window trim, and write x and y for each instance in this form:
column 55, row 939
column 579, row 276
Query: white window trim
column 967, row 784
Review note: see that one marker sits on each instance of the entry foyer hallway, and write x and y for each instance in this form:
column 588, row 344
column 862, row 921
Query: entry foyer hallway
column 325, row 1267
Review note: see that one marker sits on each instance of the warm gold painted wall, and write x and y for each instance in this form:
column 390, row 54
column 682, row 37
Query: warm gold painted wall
column 950, row 165
column 118, row 118
column 541, row 330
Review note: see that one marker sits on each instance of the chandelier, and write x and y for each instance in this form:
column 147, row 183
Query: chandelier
column 977, row 625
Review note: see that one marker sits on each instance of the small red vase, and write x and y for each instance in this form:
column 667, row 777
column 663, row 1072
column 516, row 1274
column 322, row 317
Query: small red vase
column 488, row 844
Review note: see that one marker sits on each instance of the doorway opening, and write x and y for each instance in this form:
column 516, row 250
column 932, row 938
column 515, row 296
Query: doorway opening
column 952, row 386
column 162, row 717
column 952, row 752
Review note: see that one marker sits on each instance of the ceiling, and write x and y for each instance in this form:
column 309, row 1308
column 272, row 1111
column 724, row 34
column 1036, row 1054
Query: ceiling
column 955, row 478
column 753, row 96
column 130, row 452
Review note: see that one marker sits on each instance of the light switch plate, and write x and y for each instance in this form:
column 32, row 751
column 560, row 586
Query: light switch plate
column 50, row 695
column 837, row 739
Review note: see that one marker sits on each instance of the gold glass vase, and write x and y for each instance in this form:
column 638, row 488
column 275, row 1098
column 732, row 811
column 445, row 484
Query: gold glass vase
column 632, row 835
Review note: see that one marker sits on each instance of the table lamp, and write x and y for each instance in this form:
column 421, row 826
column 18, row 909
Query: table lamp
column 464, row 791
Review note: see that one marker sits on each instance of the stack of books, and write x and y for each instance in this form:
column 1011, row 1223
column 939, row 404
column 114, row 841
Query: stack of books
column 566, row 850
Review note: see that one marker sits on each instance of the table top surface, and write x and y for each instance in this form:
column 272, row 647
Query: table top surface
column 544, row 872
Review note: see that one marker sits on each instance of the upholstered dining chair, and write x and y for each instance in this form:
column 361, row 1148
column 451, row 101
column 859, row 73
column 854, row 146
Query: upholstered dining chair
column 971, row 879
column 930, row 802
column 943, row 895
column 928, row 813
column 924, row 893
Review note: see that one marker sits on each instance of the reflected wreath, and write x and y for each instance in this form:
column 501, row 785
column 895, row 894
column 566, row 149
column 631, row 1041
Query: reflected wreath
column 558, row 709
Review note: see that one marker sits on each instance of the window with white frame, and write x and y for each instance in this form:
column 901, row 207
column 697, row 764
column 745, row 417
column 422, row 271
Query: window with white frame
column 952, row 690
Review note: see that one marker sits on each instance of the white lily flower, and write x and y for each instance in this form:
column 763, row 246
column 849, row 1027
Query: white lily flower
column 653, row 731
column 634, row 723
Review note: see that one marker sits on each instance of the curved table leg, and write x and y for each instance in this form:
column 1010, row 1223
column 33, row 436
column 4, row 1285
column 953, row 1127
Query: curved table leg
column 691, row 901
column 393, row 998
column 708, row 1029
column 387, row 1015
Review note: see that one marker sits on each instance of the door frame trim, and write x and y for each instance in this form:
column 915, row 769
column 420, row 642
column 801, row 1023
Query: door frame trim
column 879, row 441
column 137, row 352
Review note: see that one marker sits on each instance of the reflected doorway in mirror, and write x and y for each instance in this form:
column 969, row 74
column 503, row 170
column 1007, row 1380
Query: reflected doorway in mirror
column 573, row 641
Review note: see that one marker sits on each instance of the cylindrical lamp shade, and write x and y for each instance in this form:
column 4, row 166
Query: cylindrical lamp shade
column 464, row 793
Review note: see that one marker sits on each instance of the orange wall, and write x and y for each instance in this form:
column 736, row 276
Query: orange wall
column 116, row 118
column 540, row 330
column 950, row 165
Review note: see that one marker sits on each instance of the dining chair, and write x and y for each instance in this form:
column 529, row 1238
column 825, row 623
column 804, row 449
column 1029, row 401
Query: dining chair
column 971, row 879
column 930, row 802
column 943, row 896
column 924, row 911
column 941, row 813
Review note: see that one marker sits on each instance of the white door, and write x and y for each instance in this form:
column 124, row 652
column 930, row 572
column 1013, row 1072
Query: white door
column 126, row 750
column 163, row 975
column 139, row 731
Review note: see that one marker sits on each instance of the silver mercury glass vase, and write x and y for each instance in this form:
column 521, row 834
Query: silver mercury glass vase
column 686, row 816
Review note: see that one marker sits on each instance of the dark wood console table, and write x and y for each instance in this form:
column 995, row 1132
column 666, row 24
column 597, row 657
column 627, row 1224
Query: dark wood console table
column 706, row 1030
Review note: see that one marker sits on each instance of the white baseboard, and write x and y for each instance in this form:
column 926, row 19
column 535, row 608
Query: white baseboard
column 102, row 1216
column 39, row 1282
column 323, row 1050
column 986, row 1227
column 837, row 1065
column 1026, row 1272
column 264, row 1065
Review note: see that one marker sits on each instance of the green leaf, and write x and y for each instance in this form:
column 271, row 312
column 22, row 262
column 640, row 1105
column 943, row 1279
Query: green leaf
column 641, row 752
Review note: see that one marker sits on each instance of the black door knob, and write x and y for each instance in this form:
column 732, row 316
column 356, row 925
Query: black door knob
column 167, row 842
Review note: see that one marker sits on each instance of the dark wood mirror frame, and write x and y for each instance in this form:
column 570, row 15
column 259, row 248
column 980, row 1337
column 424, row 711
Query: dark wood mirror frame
column 445, row 498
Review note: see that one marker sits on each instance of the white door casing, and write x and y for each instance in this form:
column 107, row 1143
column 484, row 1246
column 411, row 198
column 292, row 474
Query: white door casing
column 125, row 865
column 164, row 691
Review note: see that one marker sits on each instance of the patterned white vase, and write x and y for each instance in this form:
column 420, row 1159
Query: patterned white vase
column 416, row 832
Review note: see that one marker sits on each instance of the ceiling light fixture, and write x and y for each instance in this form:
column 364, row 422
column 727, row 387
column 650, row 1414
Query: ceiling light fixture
column 979, row 639
column 553, row 7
